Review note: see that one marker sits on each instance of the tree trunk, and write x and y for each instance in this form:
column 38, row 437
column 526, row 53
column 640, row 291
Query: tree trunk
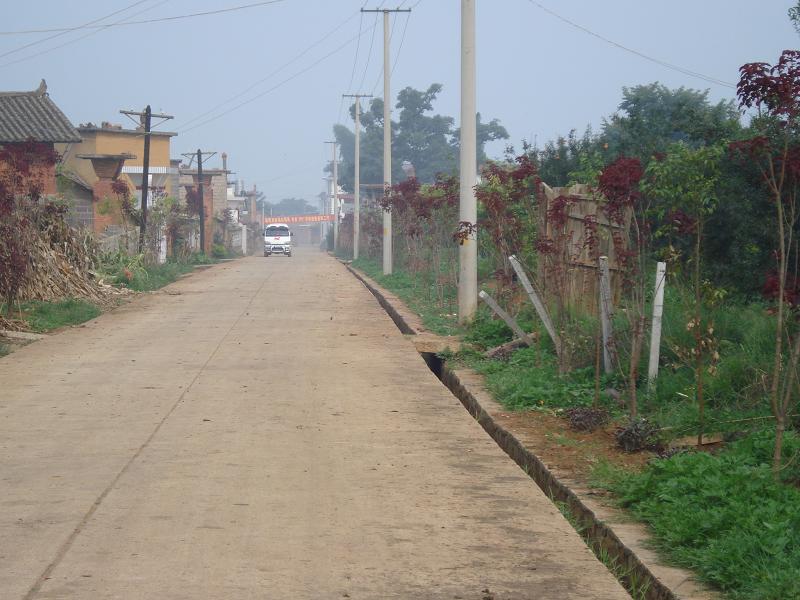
column 698, row 338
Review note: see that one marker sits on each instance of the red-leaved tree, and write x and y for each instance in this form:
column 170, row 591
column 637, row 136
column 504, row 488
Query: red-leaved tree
column 619, row 183
column 774, row 91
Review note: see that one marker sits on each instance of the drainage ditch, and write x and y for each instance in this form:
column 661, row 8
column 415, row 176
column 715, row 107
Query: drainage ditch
column 634, row 575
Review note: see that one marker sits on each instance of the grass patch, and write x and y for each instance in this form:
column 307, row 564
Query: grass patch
column 724, row 516
column 132, row 272
column 153, row 277
column 4, row 350
column 418, row 295
column 529, row 379
column 46, row 316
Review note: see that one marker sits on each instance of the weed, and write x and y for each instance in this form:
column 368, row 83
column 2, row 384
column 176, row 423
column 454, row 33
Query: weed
column 563, row 440
column 46, row 316
column 724, row 516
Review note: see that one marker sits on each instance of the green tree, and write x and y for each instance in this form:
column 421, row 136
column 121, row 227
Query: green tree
column 289, row 206
column 685, row 181
column 653, row 117
column 428, row 141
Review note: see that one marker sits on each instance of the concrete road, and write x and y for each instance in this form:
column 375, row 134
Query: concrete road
column 262, row 430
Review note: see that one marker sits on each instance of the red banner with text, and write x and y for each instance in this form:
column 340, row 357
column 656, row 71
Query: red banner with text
column 298, row 219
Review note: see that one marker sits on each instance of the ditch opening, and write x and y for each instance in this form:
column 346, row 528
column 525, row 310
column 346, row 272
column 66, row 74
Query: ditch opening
column 435, row 364
column 628, row 569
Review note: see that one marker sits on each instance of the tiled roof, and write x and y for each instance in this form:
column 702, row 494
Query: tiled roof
column 33, row 116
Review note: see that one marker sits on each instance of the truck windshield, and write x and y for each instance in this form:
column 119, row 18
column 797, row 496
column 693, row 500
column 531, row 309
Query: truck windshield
column 276, row 231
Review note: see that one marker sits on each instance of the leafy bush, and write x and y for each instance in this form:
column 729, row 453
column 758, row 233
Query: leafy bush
column 724, row 516
column 485, row 332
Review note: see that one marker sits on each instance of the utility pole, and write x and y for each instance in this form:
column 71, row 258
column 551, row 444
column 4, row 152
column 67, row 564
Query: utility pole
column 335, row 185
column 145, row 118
column 357, row 174
column 467, row 209
column 387, row 133
column 200, row 159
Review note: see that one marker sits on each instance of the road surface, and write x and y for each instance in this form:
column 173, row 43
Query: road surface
column 262, row 430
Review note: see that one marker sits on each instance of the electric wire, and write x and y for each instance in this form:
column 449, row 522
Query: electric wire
column 355, row 63
column 275, row 87
column 402, row 39
column 369, row 52
column 272, row 73
column 657, row 61
column 391, row 36
column 75, row 40
column 50, row 37
column 355, row 60
column 149, row 21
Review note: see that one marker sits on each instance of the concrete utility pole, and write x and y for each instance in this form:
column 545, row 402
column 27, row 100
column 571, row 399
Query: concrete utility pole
column 387, row 133
column 199, row 156
column 468, row 210
column 145, row 119
column 335, row 185
column 357, row 174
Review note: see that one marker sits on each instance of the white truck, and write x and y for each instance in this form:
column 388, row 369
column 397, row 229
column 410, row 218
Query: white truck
column 277, row 239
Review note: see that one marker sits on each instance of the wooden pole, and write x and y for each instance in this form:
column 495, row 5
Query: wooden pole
column 606, row 314
column 655, row 331
column 509, row 320
column 541, row 310
column 145, row 177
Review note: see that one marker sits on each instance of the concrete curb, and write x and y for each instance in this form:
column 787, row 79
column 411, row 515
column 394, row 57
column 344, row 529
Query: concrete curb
column 605, row 529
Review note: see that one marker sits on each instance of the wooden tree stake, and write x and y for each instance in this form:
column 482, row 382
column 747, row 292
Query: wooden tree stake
column 606, row 315
column 509, row 320
column 537, row 303
column 655, row 332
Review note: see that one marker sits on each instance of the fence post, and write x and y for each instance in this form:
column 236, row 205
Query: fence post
column 606, row 313
column 537, row 303
column 509, row 320
column 655, row 330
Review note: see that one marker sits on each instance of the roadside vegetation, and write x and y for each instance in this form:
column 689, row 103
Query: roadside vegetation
column 136, row 273
column 42, row 317
column 670, row 178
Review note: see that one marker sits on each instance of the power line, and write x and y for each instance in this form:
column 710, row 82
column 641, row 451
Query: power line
column 632, row 51
column 369, row 52
column 148, row 21
column 74, row 40
column 355, row 60
column 399, row 48
column 275, row 87
column 50, row 37
column 402, row 39
column 355, row 63
column 272, row 73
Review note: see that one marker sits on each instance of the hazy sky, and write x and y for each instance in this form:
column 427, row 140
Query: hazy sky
column 537, row 74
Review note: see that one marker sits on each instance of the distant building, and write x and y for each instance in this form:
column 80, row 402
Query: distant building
column 33, row 117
